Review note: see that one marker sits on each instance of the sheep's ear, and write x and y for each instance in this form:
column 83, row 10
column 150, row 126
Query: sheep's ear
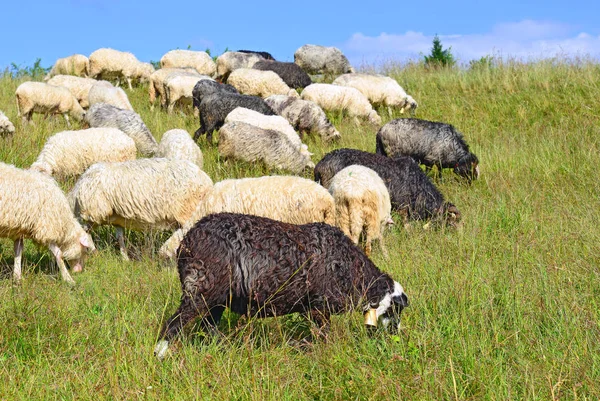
column 390, row 221
column 85, row 241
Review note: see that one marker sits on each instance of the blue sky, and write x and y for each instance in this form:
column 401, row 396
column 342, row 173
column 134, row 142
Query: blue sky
column 367, row 32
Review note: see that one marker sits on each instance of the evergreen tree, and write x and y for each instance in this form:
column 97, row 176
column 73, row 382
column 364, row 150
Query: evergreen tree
column 439, row 57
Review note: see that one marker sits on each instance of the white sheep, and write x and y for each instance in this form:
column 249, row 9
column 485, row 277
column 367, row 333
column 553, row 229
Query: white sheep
column 106, row 115
column 77, row 65
column 40, row 97
column 290, row 199
column 178, row 144
column 142, row 194
column 6, row 127
column 33, row 206
column 305, row 116
column 362, row 202
column 179, row 88
column 250, row 143
column 200, row 61
column 249, row 81
column 156, row 88
column 78, row 86
column 100, row 93
column 379, row 89
column 231, row 61
column 110, row 63
column 70, row 153
column 341, row 98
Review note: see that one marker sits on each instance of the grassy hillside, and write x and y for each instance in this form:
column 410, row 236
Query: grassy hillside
column 507, row 307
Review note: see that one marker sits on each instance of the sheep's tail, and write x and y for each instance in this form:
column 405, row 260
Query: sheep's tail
column 379, row 148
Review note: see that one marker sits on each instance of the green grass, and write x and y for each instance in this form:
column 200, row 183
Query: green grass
column 507, row 307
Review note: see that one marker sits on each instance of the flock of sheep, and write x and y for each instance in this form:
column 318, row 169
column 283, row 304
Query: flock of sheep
column 263, row 245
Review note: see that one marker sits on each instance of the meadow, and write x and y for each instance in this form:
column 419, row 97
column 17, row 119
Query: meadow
column 504, row 308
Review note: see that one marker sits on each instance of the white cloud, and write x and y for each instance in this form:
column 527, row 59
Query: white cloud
column 524, row 39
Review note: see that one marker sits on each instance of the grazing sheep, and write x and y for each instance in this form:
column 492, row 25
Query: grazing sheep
column 156, row 87
column 139, row 194
column 291, row 73
column 33, row 206
column 114, row 64
column 200, row 61
column 180, row 88
column 265, row 55
column 106, row 115
column 39, row 97
column 205, row 87
column 231, row 61
column 70, row 153
column 316, row 59
column 6, row 127
column 290, row 199
column 362, row 202
column 304, row 115
column 79, row 87
column 178, row 144
column 77, row 65
column 262, row 267
column 411, row 191
column 259, row 83
column 379, row 89
column 117, row 97
column 215, row 107
column 341, row 98
column 250, row 143
column 429, row 143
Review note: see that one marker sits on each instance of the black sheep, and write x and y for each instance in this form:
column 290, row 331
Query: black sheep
column 265, row 55
column 207, row 87
column 215, row 107
column 291, row 73
column 429, row 143
column 411, row 191
column 262, row 267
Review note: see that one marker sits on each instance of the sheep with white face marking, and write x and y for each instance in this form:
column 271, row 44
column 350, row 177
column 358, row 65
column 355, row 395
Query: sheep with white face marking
column 291, row 73
column 106, row 115
column 379, row 89
column 304, row 115
column 200, row 61
column 289, row 199
column 79, row 87
column 33, row 206
column 70, row 153
column 76, row 65
column 117, row 97
column 262, row 267
column 6, row 127
column 341, row 98
column 250, row 143
column 178, row 144
column 429, row 143
column 156, row 87
column 316, row 59
column 259, row 83
column 362, row 204
column 143, row 194
column 42, row 98
column 113, row 64
column 231, row 61
column 179, row 88
column 276, row 123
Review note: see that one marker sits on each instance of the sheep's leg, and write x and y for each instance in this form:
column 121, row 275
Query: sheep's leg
column 210, row 322
column 196, row 112
column 322, row 319
column 170, row 107
column 129, row 83
column 61, row 264
column 389, row 111
column 182, row 316
column 18, row 252
column 66, row 116
column 121, row 239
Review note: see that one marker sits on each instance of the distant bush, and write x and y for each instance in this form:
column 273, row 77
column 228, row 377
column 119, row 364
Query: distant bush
column 484, row 63
column 36, row 71
column 439, row 57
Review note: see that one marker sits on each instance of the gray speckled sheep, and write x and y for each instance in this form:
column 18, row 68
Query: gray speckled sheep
column 250, row 143
column 106, row 115
column 33, row 206
column 304, row 115
column 6, row 127
column 316, row 59
column 231, row 61
column 40, row 97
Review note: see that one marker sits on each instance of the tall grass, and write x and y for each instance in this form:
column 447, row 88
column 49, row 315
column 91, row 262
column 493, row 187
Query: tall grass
column 507, row 307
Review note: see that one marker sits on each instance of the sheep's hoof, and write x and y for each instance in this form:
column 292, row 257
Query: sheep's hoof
column 160, row 351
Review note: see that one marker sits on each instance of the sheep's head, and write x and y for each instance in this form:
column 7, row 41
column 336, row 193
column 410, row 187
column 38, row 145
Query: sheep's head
column 77, row 249
column 468, row 167
column 388, row 310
